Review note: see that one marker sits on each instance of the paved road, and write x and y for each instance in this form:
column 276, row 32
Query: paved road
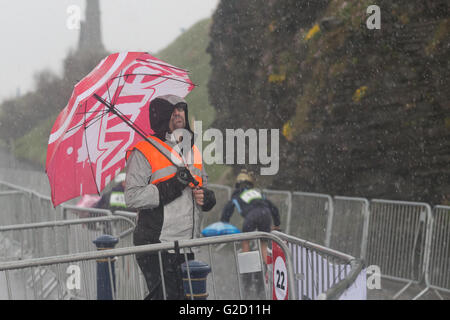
column 389, row 288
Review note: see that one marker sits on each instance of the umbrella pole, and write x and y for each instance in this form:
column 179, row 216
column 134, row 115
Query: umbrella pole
column 128, row 123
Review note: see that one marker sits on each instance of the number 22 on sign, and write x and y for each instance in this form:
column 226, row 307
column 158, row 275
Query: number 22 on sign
column 280, row 288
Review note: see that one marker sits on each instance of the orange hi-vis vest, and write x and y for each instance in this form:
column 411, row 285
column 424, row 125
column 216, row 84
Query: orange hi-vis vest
column 162, row 168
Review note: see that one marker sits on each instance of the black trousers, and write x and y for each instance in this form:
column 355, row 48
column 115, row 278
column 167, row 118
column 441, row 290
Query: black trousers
column 258, row 218
column 173, row 277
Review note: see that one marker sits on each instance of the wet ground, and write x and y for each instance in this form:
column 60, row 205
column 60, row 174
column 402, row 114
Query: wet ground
column 390, row 288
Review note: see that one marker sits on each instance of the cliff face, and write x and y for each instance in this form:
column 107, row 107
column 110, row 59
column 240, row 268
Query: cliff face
column 362, row 112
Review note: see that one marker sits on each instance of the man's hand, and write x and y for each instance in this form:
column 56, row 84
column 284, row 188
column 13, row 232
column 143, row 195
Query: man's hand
column 199, row 196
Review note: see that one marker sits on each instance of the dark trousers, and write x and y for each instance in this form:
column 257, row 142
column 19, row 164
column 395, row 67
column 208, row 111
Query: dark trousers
column 173, row 277
column 258, row 218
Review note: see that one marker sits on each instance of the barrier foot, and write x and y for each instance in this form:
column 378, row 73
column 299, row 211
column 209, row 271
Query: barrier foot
column 425, row 290
column 438, row 294
column 402, row 290
column 421, row 293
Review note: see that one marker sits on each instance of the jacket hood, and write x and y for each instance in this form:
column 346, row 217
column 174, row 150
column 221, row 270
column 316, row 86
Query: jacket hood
column 160, row 111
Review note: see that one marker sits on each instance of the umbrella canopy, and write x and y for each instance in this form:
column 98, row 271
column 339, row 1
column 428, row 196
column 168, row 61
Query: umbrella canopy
column 106, row 114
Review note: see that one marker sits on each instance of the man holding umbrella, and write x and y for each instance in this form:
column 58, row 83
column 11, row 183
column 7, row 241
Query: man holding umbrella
column 104, row 121
column 169, row 198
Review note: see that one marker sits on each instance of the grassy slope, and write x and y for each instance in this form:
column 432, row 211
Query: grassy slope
column 33, row 145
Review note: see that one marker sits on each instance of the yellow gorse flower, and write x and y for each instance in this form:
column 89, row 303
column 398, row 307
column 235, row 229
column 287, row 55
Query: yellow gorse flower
column 359, row 93
column 287, row 130
column 312, row 32
column 277, row 78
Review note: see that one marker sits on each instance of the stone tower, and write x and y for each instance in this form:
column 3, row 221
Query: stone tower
column 90, row 29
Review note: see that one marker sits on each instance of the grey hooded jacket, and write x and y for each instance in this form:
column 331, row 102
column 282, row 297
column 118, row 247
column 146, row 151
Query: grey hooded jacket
column 178, row 220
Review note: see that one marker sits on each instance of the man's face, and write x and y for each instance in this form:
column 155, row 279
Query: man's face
column 177, row 120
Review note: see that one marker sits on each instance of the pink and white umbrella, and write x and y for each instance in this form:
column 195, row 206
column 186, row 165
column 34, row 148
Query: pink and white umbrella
column 106, row 114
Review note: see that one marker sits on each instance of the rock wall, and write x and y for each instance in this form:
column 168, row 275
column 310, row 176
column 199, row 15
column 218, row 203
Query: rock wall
column 362, row 112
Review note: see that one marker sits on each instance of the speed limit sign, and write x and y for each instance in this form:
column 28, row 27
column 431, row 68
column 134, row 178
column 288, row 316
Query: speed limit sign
column 280, row 288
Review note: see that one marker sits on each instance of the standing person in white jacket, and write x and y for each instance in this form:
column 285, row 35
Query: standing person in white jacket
column 168, row 203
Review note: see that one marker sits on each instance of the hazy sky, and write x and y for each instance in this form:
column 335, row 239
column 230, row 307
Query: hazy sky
column 35, row 33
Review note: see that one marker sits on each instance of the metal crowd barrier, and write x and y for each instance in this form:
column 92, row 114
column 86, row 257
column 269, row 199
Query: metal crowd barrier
column 20, row 205
column 397, row 239
column 54, row 238
column 282, row 199
column 127, row 235
column 23, row 206
column 28, row 178
column 437, row 270
column 73, row 212
column 11, row 271
column 355, row 277
column 319, row 269
column 320, row 274
column 343, row 236
column 311, row 216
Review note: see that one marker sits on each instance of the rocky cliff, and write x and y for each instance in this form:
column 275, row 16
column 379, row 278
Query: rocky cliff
column 361, row 112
